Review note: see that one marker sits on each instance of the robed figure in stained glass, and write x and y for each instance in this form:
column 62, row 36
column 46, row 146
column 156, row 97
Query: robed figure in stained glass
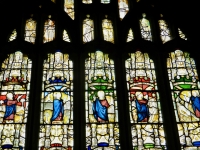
column 100, row 106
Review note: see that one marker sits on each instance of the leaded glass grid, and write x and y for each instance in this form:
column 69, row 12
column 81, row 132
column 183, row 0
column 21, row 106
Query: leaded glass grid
column 144, row 103
column 30, row 30
column 184, row 84
column 102, row 128
column 15, row 77
column 164, row 31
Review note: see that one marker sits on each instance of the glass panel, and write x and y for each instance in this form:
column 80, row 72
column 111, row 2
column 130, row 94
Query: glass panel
column 184, row 83
column 123, row 8
column 102, row 129
column 88, row 30
column 65, row 36
column 181, row 34
column 105, row 1
column 69, row 8
column 49, row 30
column 130, row 36
column 30, row 30
column 13, row 35
column 145, row 28
column 87, row 1
column 53, row 1
column 164, row 31
column 14, row 100
column 56, row 116
column 144, row 103
column 108, row 32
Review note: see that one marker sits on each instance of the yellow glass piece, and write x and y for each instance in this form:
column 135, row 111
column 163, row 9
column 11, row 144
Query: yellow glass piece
column 181, row 34
column 87, row 1
column 165, row 34
column 53, row 1
column 105, row 1
column 88, row 30
column 13, row 35
column 65, row 36
column 30, row 30
column 69, row 8
column 145, row 28
column 108, row 32
column 123, row 8
column 130, row 36
column 49, row 31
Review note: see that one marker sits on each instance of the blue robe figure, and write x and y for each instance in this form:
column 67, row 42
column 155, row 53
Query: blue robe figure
column 58, row 110
column 142, row 111
column 100, row 110
column 196, row 105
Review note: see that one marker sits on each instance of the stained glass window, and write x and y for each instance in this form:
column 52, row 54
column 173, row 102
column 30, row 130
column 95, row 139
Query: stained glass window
column 30, row 30
column 69, row 8
column 49, row 30
column 13, row 35
column 144, row 103
column 130, row 36
column 181, row 34
column 88, row 30
column 164, row 31
column 105, row 1
column 108, row 32
column 87, row 1
column 184, row 83
column 102, row 128
column 123, row 8
column 65, row 36
column 14, row 100
column 145, row 28
column 56, row 116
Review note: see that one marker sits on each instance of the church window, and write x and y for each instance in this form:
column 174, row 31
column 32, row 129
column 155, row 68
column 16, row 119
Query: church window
column 145, row 28
column 88, row 30
column 15, row 77
column 49, row 31
column 66, row 36
column 13, row 35
column 87, row 1
column 144, row 103
column 102, row 128
column 123, row 8
column 69, row 8
column 181, row 34
column 184, row 83
column 130, row 36
column 56, row 116
column 30, row 30
column 108, row 32
column 164, row 31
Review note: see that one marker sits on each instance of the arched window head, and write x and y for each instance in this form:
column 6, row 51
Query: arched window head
column 13, row 35
column 145, row 28
column 49, row 31
column 184, row 83
column 69, row 8
column 87, row 1
column 105, row 1
column 108, row 32
column 88, row 30
column 144, row 103
column 181, row 34
column 130, row 36
column 102, row 128
column 56, row 117
column 15, row 79
column 123, row 8
column 65, row 36
column 30, row 30
column 165, row 34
